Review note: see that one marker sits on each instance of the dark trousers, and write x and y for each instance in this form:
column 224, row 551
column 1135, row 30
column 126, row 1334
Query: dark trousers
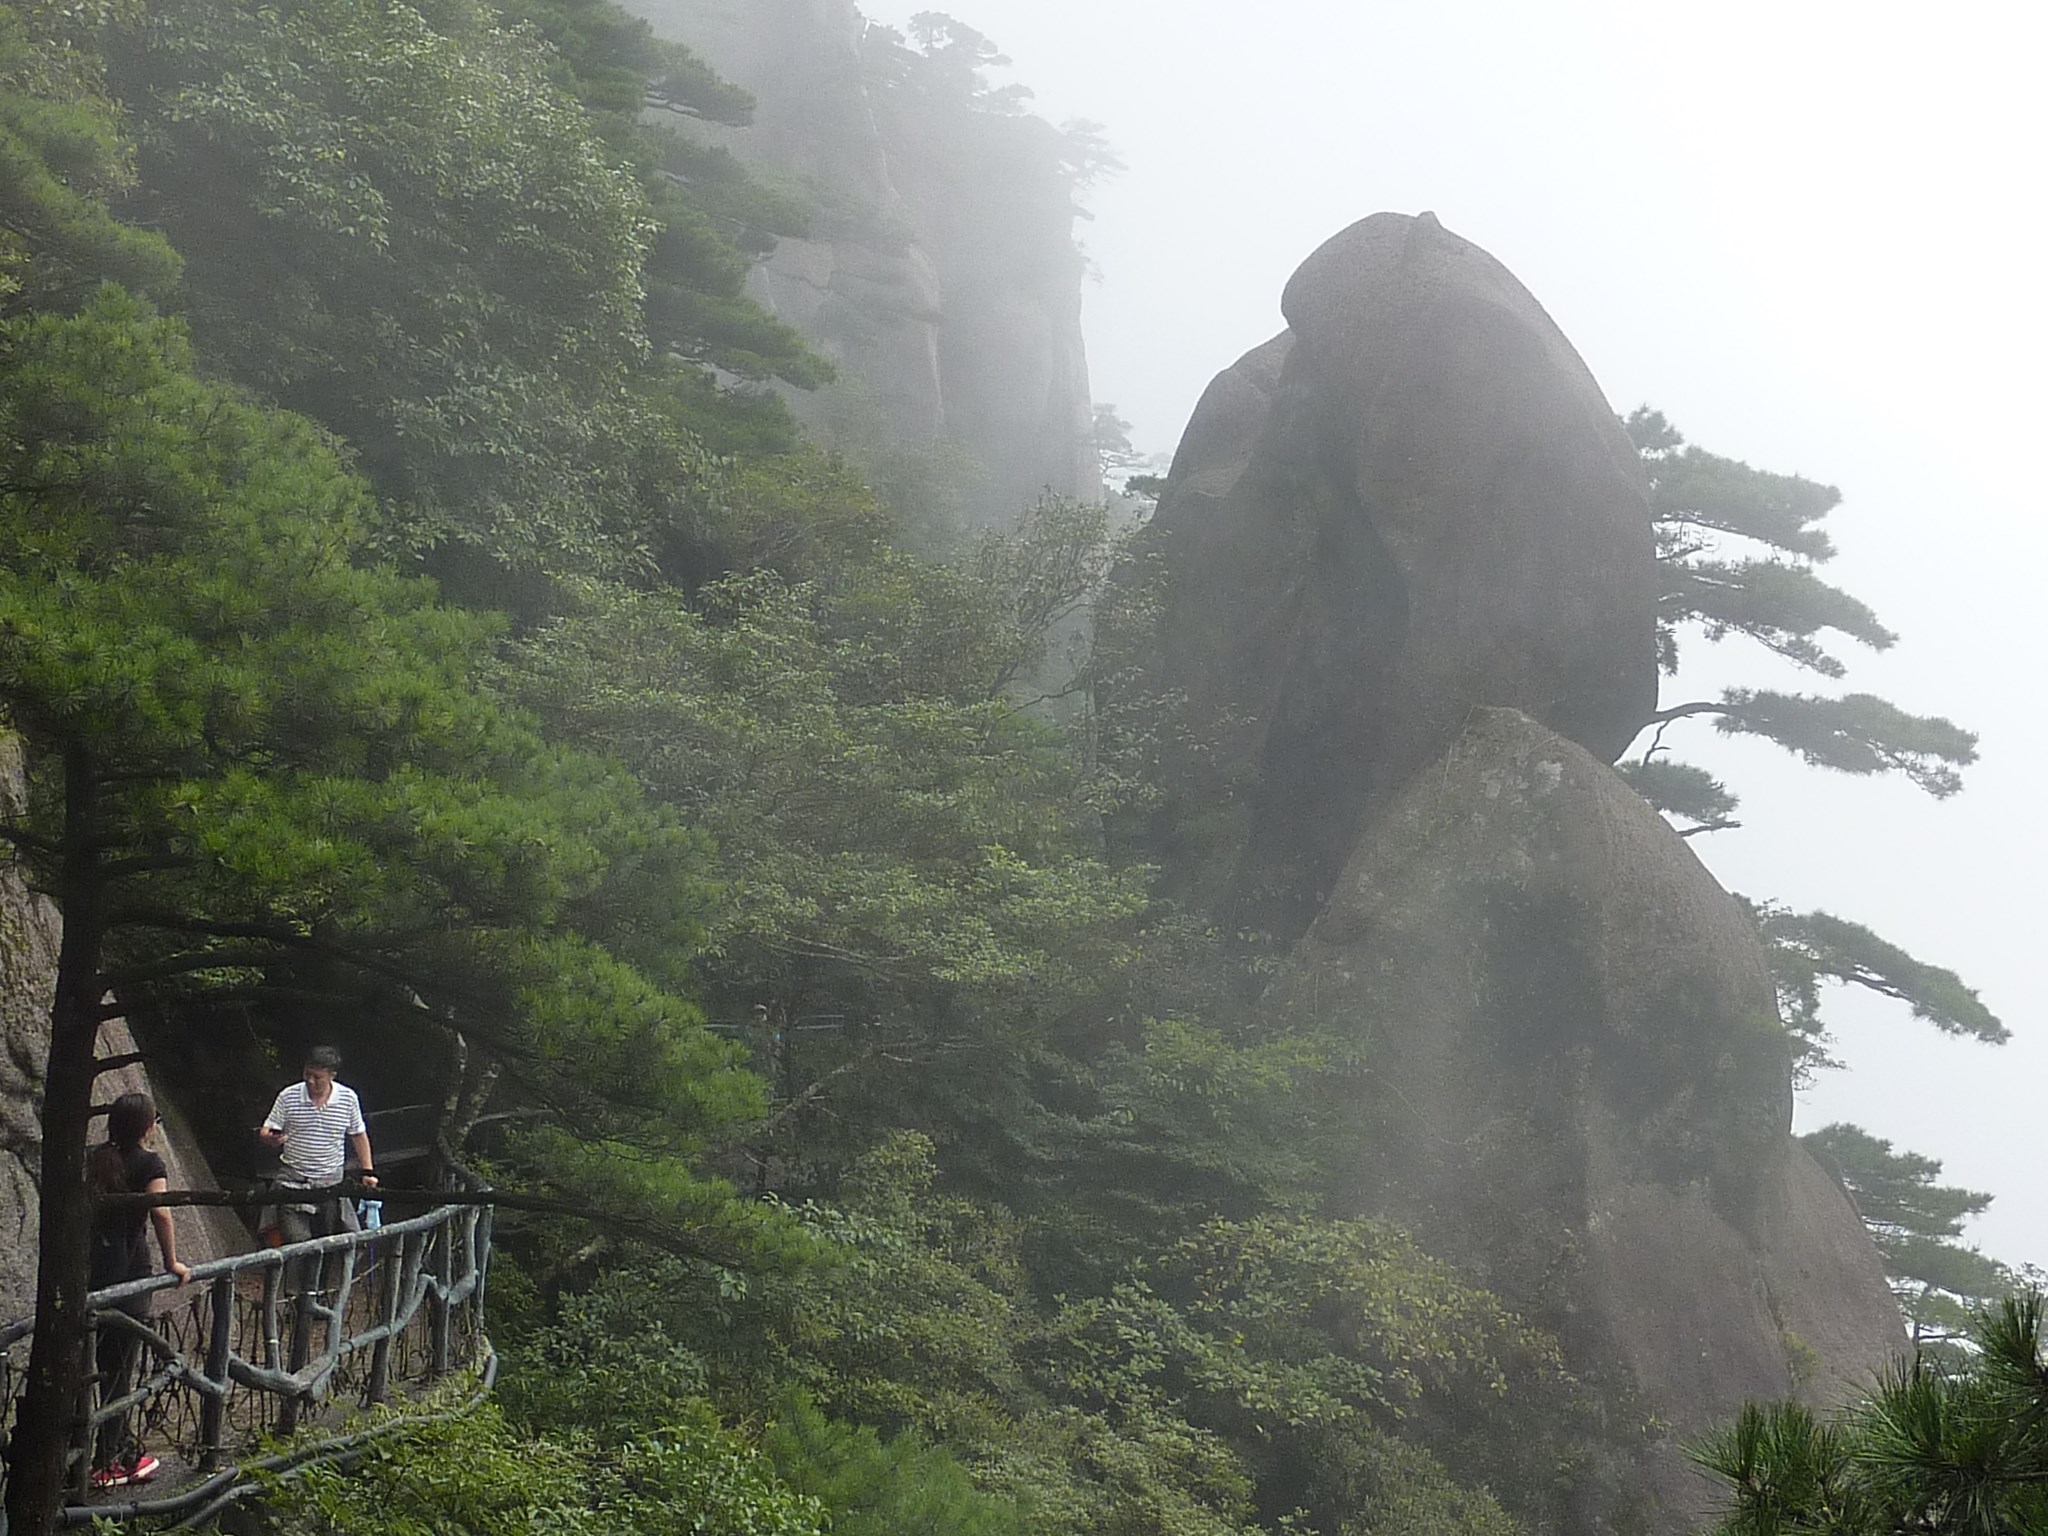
column 115, row 1359
column 304, row 1220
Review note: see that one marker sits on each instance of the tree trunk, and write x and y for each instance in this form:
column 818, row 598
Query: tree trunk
column 475, row 1075
column 48, row 1412
column 479, row 1077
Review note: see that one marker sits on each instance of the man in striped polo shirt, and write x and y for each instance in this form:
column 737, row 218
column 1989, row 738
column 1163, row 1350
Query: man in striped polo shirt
column 315, row 1125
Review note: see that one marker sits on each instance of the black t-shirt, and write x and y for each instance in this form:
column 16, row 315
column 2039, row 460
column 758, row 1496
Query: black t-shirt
column 120, row 1238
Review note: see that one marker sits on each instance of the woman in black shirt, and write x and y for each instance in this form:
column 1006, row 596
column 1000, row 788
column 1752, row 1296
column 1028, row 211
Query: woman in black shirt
column 124, row 1164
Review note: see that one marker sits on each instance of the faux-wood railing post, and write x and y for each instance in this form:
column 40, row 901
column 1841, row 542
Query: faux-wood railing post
column 391, row 1284
column 273, row 1346
column 301, row 1352
column 302, row 1331
column 444, row 1280
column 485, row 1228
column 219, row 1343
column 337, row 1325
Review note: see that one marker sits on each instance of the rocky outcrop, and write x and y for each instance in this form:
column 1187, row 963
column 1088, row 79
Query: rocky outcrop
column 940, row 273
column 30, row 934
column 1404, row 587
column 1413, row 501
column 1579, row 1088
column 996, row 214
column 1506, row 493
column 862, row 289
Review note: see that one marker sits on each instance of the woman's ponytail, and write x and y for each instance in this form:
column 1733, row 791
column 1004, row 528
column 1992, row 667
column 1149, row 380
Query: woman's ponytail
column 131, row 1118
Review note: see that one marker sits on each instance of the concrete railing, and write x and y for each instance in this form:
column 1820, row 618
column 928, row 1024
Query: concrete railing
column 270, row 1344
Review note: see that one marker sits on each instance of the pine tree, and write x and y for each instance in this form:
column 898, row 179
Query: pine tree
column 463, row 251
column 1916, row 1222
column 1737, row 551
column 249, row 747
column 61, row 157
column 1941, row 1447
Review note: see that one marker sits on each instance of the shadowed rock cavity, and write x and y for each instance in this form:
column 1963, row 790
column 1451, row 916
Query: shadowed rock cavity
column 1579, row 1089
column 1413, row 502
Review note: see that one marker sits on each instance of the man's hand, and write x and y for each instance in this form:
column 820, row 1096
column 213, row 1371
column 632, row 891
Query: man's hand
column 269, row 1136
column 367, row 1180
column 182, row 1271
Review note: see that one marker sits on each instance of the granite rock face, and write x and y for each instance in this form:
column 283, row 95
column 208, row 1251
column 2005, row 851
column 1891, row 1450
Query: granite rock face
column 1579, row 1088
column 941, row 273
column 1495, row 471
column 30, row 934
column 1412, row 503
column 29, row 937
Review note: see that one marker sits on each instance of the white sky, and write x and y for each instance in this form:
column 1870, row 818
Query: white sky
column 1810, row 232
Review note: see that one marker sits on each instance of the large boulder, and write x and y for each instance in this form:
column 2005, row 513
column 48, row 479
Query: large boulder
column 1578, row 1088
column 1412, row 503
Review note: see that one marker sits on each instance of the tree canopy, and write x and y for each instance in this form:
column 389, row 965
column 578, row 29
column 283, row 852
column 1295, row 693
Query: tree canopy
column 1737, row 550
column 252, row 752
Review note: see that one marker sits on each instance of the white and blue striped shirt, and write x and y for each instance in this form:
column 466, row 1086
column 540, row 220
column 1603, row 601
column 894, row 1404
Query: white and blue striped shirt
column 315, row 1135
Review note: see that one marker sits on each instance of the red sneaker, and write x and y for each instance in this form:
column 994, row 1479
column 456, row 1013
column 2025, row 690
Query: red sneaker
column 139, row 1468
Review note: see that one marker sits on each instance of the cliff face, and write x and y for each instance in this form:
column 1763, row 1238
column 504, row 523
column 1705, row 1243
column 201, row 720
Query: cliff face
column 940, row 273
column 1406, row 602
column 29, row 936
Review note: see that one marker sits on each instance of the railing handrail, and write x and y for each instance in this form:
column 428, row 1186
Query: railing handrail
column 432, row 1263
column 14, row 1332
column 262, row 1258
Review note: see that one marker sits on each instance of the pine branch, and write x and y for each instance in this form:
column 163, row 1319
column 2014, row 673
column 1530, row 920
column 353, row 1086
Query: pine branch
column 145, row 864
column 1812, row 946
column 1688, row 711
column 187, row 964
column 1857, row 733
column 22, row 838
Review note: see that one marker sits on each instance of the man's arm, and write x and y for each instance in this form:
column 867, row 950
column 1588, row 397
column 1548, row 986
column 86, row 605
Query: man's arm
column 271, row 1131
column 359, row 1148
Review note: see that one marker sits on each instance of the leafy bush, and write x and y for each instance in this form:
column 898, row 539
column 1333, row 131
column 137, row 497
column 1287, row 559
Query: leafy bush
column 476, row 1477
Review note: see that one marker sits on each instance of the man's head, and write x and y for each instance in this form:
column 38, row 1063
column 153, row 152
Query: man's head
column 322, row 1062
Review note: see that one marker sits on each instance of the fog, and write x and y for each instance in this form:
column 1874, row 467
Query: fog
column 1811, row 237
